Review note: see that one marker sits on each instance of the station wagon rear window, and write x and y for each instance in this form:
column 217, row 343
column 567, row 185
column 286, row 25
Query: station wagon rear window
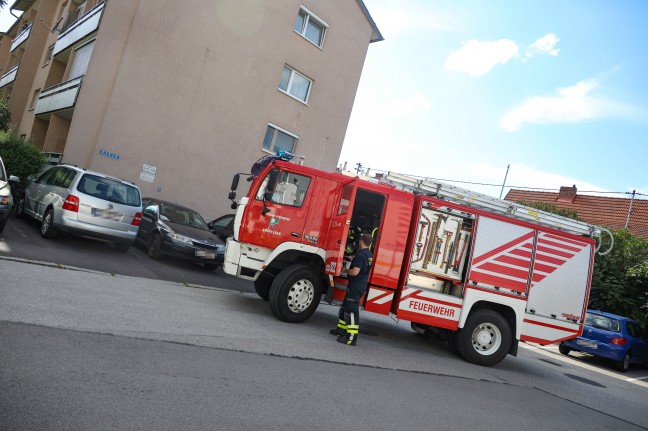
column 110, row 190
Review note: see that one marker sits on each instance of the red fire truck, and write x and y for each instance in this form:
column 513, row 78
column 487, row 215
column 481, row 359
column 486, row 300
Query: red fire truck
column 484, row 272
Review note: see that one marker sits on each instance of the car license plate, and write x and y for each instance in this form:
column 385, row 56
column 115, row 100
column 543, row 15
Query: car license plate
column 206, row 254
column 112, row 215
column 587, row 343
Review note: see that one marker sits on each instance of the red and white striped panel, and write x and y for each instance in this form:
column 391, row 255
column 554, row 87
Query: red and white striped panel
column 429, row 308
column 538, row 329
column 552, row 252
column 560, row 278
column 502, row 255
column 379, row 300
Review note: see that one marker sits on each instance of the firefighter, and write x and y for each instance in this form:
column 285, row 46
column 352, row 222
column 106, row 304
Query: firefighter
column 358, row 275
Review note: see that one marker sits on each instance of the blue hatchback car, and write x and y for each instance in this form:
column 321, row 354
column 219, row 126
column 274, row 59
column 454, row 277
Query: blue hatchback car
column 613, row 337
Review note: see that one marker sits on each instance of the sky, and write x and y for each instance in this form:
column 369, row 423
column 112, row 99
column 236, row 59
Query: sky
column 462, row 89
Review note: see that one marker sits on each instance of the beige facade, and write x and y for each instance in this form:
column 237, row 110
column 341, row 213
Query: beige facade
column 189, row 89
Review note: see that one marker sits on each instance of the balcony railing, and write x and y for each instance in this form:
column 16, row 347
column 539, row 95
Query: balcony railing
column 22, row 37
column 79, row 29
column 10, row 76
column 61, row 96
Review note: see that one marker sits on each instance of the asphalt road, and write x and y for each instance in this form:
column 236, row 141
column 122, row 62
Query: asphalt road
column 91, row 350
column 21, row 239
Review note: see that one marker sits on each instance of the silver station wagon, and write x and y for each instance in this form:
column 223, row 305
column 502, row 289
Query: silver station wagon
column 74, row 200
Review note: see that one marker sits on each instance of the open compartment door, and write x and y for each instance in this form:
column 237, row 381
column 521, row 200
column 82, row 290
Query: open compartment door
column 339, row 229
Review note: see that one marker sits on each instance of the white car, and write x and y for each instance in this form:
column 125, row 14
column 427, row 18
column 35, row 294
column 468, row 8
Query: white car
column 6, row 201
column 72, row 199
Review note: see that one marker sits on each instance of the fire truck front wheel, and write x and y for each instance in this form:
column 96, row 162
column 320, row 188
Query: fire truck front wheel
column 485, row 338
column 295, row 293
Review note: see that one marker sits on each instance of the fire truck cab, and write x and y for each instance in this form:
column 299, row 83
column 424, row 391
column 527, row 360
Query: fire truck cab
column 484, row 272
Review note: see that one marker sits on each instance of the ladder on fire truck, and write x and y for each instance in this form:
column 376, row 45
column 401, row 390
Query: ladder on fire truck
column 473, row 199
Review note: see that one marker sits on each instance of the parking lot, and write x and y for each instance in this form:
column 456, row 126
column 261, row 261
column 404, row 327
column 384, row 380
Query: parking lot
column 21, row 239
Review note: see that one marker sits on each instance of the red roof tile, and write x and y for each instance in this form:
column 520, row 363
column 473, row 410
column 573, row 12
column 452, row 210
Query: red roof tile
column 597, row 210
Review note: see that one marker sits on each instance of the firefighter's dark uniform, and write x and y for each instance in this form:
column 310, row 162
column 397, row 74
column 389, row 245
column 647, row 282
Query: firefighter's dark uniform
column 349, row 316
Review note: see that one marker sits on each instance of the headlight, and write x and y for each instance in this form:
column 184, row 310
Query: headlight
column 181, row 238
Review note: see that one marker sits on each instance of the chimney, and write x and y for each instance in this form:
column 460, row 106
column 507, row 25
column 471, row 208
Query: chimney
column 566, row 194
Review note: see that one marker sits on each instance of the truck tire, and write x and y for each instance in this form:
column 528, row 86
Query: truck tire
column 295, row 294
column 262, row 285
column 485, row 338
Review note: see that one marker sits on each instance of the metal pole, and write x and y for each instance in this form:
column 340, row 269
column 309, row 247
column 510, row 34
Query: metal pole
column 504, row 183
column 630, row 209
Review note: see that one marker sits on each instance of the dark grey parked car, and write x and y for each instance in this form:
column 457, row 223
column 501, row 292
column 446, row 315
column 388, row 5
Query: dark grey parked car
column 71, row 199
column 6, row 201
column 170, row 229
column 223, row 226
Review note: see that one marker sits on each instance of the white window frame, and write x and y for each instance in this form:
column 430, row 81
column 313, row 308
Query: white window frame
column 281, row 129
column 310, row 15
column 290, row 82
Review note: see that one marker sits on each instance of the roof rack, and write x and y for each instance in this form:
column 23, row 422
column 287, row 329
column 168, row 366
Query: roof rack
column 499, row 206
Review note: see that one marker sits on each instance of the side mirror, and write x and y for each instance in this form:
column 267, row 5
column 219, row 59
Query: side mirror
column 231, row 195
column 235, row 182
column 14, row 179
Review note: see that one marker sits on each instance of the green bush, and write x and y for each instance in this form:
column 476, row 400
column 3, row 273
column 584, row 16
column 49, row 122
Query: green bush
column 20, row 158
column 5, row 116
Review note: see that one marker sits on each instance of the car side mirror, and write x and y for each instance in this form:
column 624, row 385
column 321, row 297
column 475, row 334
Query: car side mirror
column 14, row 179
column 235, row 182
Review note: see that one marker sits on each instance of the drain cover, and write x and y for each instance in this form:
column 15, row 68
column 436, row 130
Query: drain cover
column 584, row 380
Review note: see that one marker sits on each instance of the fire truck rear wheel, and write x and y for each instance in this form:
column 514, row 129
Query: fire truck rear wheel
column 295, row 293
column 485, row 338
column 262, row 285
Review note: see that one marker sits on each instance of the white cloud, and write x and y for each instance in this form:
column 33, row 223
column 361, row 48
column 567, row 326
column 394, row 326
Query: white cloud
column 572, row 105
column 479, row 57
column 545, row 45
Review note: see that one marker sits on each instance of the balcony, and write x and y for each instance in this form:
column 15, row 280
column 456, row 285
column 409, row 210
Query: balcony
column 58, row 97
column 79, row 29
column 21, row 38
column 10, row 76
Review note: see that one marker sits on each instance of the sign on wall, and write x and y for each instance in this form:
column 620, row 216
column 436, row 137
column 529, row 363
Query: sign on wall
column 148, row 173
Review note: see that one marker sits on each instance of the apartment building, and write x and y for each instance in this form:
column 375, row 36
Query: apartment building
column 177, row 96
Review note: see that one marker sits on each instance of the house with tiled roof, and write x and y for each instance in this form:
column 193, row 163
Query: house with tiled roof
column 611, row 212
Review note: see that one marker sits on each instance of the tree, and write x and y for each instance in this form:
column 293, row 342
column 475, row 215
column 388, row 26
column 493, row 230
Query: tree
column 20, row 158
column 5, row 115
column 620, row 278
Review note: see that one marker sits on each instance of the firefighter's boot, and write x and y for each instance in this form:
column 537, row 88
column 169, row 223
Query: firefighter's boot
column 352, row 329
column 341, row 328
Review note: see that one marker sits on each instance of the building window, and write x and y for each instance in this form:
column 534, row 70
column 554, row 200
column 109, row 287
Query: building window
column 32, row 105
column 278, row 139
column 311, row 27
column 295, row 84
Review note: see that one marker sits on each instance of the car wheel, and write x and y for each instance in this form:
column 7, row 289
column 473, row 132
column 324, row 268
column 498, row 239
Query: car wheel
column 563, row 349
column 485, row 339
column 262, row 286
column 20, row 208
column 624, row 364
column 295, row 294
column 155, row 246
column 47, row 226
